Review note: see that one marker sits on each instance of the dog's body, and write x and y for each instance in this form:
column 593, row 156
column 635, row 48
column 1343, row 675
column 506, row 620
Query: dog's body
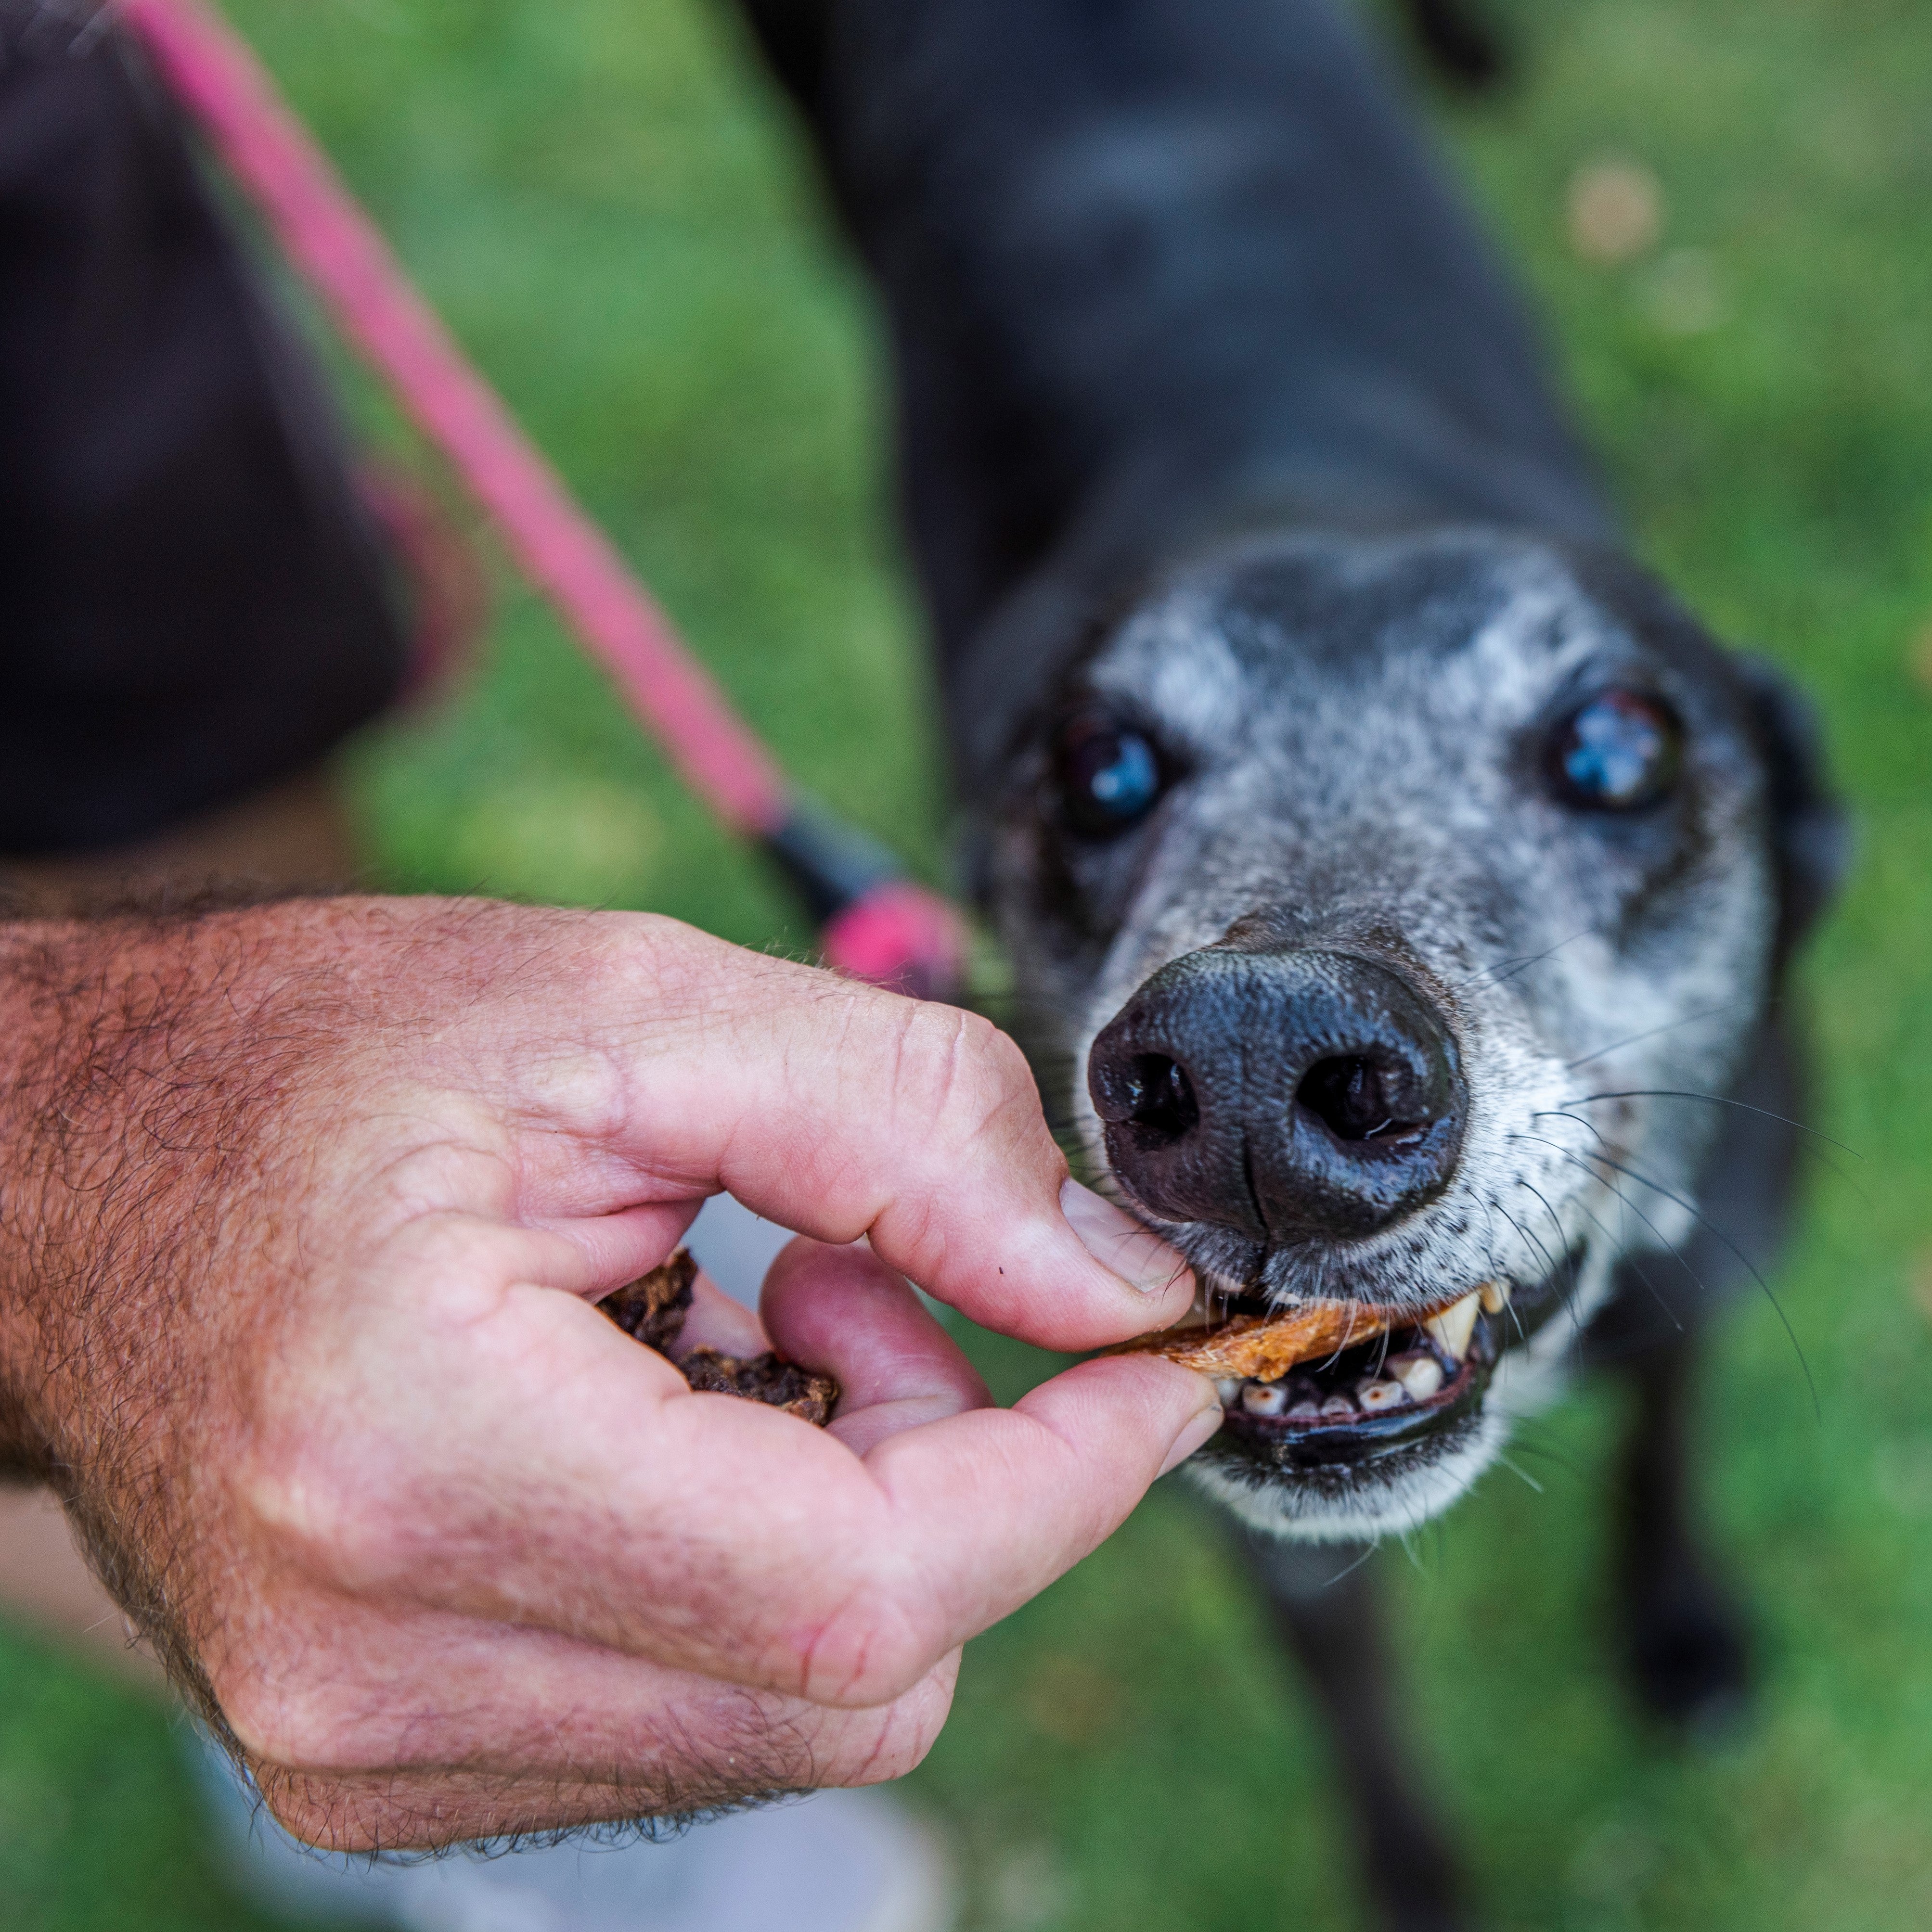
column 1373, row 842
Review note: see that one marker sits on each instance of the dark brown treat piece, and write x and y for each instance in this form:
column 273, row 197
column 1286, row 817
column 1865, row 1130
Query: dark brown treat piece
column 799, row 1392
column 653, row 1308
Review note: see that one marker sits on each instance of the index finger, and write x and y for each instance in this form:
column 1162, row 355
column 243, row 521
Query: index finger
column 840, row 1110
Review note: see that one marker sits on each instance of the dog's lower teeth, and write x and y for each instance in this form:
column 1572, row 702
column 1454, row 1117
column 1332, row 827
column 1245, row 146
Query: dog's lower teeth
column 1419, row 1373
column 1496, row 1296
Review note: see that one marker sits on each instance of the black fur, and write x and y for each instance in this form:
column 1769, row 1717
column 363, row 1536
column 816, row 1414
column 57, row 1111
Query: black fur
column 1184, row 318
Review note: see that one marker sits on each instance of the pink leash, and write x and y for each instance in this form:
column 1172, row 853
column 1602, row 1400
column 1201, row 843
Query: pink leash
column 874, row 923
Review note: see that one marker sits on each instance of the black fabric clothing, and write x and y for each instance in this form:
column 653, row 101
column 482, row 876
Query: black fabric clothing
column 194, row 602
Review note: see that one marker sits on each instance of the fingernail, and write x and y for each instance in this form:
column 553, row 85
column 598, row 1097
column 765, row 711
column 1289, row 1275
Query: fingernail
column 1190, row 1438
column 1118, row 1242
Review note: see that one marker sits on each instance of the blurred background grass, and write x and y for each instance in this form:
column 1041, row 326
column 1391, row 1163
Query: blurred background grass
column 615, row 218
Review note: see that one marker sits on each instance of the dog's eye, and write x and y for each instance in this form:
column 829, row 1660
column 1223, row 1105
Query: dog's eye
column 1619, row 751
column 1109, row 775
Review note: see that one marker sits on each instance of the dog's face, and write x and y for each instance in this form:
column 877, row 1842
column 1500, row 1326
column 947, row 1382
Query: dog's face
column 1365, row 886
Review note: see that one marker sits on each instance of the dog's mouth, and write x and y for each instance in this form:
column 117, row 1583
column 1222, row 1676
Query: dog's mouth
column 1394, row 1386
column 1323, row 1383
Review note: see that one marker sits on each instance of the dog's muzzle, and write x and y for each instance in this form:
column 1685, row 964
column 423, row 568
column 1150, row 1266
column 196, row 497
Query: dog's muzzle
column 1308, row 1097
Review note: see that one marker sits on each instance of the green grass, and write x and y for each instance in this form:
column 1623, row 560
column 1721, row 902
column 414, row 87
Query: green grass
column 618, row 225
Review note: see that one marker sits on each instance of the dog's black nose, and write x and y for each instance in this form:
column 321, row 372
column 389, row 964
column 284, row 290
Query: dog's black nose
column 1283, row 1093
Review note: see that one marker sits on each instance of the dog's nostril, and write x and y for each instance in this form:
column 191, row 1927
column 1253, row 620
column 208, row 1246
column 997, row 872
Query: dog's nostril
column 1358, row 1099
column 1160, row 1096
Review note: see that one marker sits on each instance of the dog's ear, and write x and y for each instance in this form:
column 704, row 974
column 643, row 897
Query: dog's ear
column 1811, row 831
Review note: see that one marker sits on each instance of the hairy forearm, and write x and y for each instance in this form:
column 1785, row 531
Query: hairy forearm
column 144, row 1059
column 116, row 1041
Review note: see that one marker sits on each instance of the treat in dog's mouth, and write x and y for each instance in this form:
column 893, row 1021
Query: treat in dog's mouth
column 1323, row 1382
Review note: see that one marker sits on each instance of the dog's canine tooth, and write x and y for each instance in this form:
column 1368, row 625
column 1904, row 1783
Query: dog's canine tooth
column 1495, row 1296
column 1419, row 1373
column 1228, row 1387
column 1455, row 1325
column 1264, row 1398
column 1378, row 1393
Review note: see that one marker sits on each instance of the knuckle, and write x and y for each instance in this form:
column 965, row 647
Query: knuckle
column 625, row 955
column 321, row 1520
column 288, row 1727
column 963, row 1070
column 615, row 950
column 871, row 1650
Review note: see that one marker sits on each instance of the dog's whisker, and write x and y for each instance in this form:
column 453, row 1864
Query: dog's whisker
column 1522, row 1475
column 1676, row 1250
column 1813, row 1134
column 1569, row 1306
column 1653, row 1033
column 1713, row 1100
column 1751, row 1267
column 1522, row 963
column 1525, row 1443
column 1533, row 1240
column 1342, row 1576
column 1672, row 1249
column 1570, row 1154
column 1563, row 1244
column 1621, row 1249
column 1558, row 1114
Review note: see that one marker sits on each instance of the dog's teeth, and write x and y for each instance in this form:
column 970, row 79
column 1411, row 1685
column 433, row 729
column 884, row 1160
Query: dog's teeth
column 1420, row 1374
column 1264, row 1398
column 1378, row 1394
column 1495, row 1296
column 1337, row 1408
column 1228, row 1389
column 1306, row 1410
column 1455, row 1325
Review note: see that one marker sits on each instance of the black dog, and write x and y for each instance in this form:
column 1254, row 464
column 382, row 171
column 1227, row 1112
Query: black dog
column 1405, row 881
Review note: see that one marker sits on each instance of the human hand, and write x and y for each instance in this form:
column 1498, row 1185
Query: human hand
column 308, row 1207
